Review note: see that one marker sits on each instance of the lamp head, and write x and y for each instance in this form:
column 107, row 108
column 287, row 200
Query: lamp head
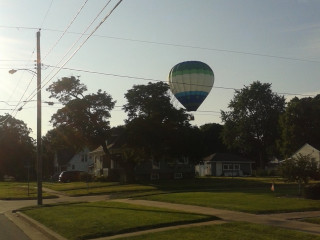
column 12, row 71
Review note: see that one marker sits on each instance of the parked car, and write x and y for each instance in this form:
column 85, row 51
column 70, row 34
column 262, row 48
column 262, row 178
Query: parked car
column 74, row 176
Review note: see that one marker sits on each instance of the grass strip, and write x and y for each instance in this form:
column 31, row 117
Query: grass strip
column 92, row 220
column 19, row 191
column 228, row 231
column 95, row 188
column 315, row 220
column 258, row 203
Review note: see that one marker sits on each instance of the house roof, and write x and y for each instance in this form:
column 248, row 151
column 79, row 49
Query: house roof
column 306, row 145
column 226, row 157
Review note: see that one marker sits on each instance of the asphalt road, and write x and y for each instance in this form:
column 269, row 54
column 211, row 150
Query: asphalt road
column 9, row 231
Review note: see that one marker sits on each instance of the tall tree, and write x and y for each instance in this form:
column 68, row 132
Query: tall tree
column 212, row 138
column 17, row 151
column 153, row 124
column 251, row 125
column 300, row 124
column 63, row 141
column 88, row 115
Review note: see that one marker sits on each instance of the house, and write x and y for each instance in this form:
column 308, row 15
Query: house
column 101, row 165
column 224, row 164
column 165, row 168
column 307, row 149
column 61, row 159
column 150, row 169
column 80, row 162
column 66, row 161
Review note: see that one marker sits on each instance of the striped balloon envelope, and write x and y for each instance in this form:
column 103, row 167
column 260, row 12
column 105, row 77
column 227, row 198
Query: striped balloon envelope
column 190, row 82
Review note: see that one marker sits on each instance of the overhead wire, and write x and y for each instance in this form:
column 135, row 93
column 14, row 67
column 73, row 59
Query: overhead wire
column 46, row 15
column 158, row 80
column 34, row 92
column 177, row 45
column 78, row 48
column 16, row 108
column 64, row 32
column 96, row 28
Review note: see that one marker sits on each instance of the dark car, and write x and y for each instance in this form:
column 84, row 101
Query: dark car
column 74, row 176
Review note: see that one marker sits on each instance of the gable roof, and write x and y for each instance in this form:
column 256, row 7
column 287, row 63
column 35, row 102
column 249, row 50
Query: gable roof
column 226, row 157
column 307, row 149
column 306, row 145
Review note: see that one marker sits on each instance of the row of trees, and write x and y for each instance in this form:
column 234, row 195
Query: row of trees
column 258, row 125
column 261, row 125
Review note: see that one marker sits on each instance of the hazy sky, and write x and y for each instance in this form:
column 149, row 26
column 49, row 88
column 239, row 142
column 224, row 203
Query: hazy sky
column 273, row 41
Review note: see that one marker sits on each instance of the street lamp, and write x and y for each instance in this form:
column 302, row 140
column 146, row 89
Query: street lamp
column 39, row 140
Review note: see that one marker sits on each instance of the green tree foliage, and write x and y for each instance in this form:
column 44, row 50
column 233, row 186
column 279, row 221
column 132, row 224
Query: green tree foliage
column 300, row 124
column 88, row 115
column 153, row 124
column 212, row 141
column 251, row 126
column 300, row 169
column 17, row 148
column 63, row 142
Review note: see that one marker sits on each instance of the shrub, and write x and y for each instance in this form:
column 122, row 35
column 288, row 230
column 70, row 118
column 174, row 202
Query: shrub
column 312, row 191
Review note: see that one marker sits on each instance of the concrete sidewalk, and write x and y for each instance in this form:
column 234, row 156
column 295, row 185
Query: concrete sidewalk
column 277, row 220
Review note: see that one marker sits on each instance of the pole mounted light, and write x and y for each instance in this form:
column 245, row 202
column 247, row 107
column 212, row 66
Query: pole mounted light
column 39, row 139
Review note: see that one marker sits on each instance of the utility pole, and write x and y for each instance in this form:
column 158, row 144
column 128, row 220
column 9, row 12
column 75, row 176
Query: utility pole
column 39, row 140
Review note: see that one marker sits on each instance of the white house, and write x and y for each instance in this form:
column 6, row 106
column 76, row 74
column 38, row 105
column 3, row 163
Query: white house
column 80, row 161
column 307, row 149
column 100, row 167
column 224, row 164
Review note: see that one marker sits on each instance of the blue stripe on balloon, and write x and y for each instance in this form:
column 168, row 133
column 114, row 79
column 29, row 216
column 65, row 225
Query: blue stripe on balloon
column 191, row 100
column 191, row 93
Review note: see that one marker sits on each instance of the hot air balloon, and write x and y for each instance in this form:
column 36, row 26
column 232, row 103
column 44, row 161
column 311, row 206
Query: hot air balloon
column 190, row 82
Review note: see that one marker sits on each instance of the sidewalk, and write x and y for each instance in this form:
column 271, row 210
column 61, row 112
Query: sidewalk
column 37, row 231
column 278, row 220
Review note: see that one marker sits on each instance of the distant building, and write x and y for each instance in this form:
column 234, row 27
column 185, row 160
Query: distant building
column 307, row 149
column 224, row 164
column 65, row 161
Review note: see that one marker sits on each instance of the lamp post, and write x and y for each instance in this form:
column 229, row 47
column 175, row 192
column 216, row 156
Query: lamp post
column 39, row 140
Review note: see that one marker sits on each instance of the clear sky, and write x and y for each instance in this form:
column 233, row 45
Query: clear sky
column 273, row 41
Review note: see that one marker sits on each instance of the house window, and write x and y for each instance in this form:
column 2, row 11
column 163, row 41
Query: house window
column 177, row 175
column 231, row 167
column 154, row 176
column 73, row 167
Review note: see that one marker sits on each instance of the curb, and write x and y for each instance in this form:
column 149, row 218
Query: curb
column 32, row 228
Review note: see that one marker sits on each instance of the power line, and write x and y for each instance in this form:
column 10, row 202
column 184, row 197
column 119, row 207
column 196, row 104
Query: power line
column 79, row 47
column 179, row 45
column 46, row 15
column 158, row 80
column 64, row 32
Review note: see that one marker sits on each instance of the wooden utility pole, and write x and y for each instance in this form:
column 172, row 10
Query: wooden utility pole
column 39, row 140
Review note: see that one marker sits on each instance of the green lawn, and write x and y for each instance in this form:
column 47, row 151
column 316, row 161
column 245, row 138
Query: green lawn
column 312, row 220
column 212, row 184
column 91, row 220
column 228, row 231
column 254, row 202
column 93, row 188
column 18, row 190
